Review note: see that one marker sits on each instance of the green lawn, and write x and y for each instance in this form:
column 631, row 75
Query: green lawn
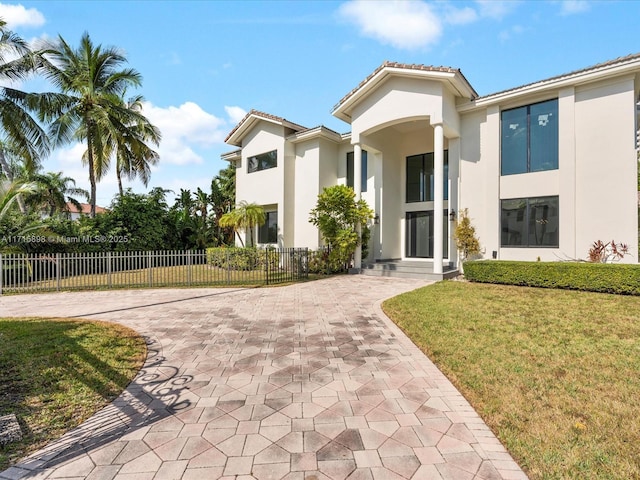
column 55, row 373
column 554, row 373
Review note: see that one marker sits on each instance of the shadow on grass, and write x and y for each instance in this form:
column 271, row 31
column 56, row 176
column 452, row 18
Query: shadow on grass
column 156, row 392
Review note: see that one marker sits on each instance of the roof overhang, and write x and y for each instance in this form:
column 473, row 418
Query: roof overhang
column 251, row 119
column 232, row 156
column 451, row 78
column 615, row 68
column 315, row 133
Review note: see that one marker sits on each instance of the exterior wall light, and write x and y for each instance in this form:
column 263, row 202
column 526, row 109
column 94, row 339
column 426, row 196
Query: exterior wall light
column 452, row 215
column 376, row 219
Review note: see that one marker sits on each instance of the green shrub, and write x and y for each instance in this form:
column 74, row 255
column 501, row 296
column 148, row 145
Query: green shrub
column 243, row 258
column 321, row 261
column 623, row 279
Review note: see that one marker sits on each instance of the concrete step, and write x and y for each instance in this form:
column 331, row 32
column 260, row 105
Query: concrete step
column 407, row 269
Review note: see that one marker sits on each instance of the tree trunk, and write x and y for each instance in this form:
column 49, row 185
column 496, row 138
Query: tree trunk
column 92, row 178
column 119, row 177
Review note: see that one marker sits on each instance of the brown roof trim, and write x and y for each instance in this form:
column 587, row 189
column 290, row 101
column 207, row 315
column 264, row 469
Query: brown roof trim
column 404, row 66
column 597, row 66
column 266, row 116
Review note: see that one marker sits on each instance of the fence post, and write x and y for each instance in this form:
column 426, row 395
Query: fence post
column 109, row 268
column 58, row 268
column 149, row 268
column 228, row 268
column 1, row 273
column 266, row 266
column 189, row 267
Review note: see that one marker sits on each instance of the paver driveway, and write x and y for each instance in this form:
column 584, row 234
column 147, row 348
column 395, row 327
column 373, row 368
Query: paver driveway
column 309, row 381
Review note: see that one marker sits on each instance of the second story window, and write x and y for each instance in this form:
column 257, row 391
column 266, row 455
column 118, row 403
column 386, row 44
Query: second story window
column 262, row 161
column 529, row 137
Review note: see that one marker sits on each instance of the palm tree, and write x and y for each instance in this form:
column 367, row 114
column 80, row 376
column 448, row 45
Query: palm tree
column 134, row 157
column 244, row 217
column 55, row 191
column 20, row 134
column 89, row 107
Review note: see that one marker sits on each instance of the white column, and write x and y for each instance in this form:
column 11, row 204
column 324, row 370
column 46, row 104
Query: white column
column 438, row 196
column 357, row 188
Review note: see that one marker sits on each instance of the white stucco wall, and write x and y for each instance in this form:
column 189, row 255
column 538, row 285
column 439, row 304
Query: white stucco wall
column 606, row 165
column 265, row 187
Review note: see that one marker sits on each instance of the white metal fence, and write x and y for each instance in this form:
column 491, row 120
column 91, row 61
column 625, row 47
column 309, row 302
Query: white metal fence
column 26, row 273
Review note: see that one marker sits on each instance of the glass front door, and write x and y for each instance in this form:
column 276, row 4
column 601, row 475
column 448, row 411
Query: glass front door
column 419, row 234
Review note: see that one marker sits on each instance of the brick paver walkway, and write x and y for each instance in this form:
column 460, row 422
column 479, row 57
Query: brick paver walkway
column 309, row 381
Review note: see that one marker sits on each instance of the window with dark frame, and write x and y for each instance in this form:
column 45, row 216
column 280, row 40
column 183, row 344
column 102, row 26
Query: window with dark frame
column 420, row 177
column 263, row 161
column 268, row 232
column 530, row 222
column 350, row 170
column 529, row 138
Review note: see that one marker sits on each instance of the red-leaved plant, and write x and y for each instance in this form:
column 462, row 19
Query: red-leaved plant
column 607, row 252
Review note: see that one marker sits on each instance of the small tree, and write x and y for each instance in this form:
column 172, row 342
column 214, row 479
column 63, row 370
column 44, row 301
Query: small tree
column 465, row 237
column 244, row 217
column 336, row 215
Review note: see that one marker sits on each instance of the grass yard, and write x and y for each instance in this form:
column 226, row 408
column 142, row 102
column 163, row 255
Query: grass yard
column 554, row 373
column 55, row 373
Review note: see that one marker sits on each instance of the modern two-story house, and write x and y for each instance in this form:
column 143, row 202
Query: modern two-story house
column 544, row 169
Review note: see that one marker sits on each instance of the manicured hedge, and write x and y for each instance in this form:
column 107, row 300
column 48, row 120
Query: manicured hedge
column 623, row 279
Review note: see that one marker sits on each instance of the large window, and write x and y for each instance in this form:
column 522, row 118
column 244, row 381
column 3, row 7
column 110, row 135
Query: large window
column 350, row 170
column 420, row 177
column 263, row 161
column 530, row 222
column 530, row 138
column 268, row 233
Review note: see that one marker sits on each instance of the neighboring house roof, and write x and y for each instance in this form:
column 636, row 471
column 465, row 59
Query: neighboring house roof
column 618, row 65
column 453, row 76
column 85, row 208
column 250, row 119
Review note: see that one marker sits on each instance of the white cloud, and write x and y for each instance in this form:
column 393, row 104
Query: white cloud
column 19, row 16
column 571, row 7
column 496, row 9
column 235, row 114
column 183, row 127
column 460, row 16
column 402, row 24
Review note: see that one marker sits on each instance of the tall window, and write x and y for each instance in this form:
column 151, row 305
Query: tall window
column 530, row 138
column 530, row 222
column 350, row 170
column 268, row 233
column 262, row 161
column 420, row 177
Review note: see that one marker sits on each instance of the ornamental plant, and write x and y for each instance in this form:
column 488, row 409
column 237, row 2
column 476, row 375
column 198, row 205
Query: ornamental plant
column 337, row 213
column 465, row 236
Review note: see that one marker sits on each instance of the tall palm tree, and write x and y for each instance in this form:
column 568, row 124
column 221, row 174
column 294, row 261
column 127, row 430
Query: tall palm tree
column 89, row 107
column 134, row 156
column 243, row 218
column 20, row 134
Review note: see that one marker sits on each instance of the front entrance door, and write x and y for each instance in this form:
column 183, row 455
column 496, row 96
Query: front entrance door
column 419, row 234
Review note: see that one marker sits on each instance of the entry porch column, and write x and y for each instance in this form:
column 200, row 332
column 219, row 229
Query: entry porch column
column 357, row 188
column 438, row 197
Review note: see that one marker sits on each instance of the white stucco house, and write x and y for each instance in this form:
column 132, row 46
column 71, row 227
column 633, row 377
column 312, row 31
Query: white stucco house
column 544, row 169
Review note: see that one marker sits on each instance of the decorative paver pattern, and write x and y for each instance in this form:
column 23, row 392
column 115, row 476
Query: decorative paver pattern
column 302, row 382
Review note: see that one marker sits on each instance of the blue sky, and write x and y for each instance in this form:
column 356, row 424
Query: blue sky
column 205, row 63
